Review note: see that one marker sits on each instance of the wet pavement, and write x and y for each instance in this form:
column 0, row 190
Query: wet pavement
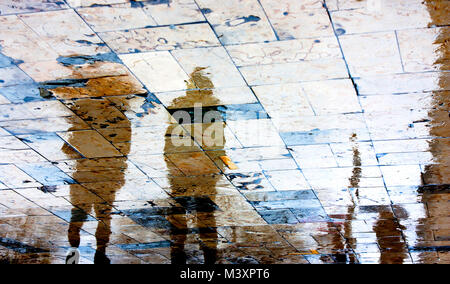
column 232, row 132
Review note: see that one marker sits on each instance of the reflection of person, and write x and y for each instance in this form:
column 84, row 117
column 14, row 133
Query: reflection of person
column 98, row 198
column 200, row 92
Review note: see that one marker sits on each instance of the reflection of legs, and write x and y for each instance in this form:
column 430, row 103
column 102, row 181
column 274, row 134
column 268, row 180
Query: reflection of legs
column 209, row 240
column 79, row 216
column 103, row 233
column 82, row 207
column 178, row 239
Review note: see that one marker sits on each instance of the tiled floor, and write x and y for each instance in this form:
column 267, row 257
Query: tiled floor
column 238, row 131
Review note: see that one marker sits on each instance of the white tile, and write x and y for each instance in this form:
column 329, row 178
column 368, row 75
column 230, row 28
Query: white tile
column 295, row 72
column 116, row 17
column 238, row 21
column 287, row 100
column 285, row 51
column 13, row 177
column 372, row 54
column 177, row 12
column 162, row 38
column 421, row 49
column 332, row 97
column 158, row 71
column 297, row 19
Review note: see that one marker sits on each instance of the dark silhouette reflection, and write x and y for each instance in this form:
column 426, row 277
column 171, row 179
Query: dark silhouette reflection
column 105, row 176
column 85, row 201
column 200, row 93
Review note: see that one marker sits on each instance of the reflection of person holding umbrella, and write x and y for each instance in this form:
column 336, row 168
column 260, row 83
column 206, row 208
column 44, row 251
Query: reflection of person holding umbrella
column 200, row 93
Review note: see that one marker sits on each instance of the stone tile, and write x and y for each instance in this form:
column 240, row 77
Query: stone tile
column 97, row 146
column 18, row 38
column 87, row 3
column 387, row 16
column 277, row 100
column 20, row 93
column 65, row 32
column 4, row 101
column 47, row 174
column 238, row 21
column 45, row 125
column 295, row 72
column 425, row 54
column 282, row 51
column 354, row 154
column 20, row 156
column 164, row 38
column 400, row 84
column 13, row 177
column 11, row 199
column 27, row 6
column 369, row 177
column 325, row 125
column 314, row 156
column 99, row 113
column 254, row 159
column 116, row 17
column 402, row 175
column 332, row 97
column 44, row 109
column 177, row 12
column 372, row 54
column 12, row 143
column 11, row 76
column 50, row 146
column 253, row 133
column 167, row 74
column 298, row 19
column 287, row 180
column 397, row 103
column 213, row 136
column 53, row 71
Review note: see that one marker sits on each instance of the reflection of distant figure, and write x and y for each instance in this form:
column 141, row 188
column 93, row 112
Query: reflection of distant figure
column 344, row 246
column 99, row 199
column 200, row 92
